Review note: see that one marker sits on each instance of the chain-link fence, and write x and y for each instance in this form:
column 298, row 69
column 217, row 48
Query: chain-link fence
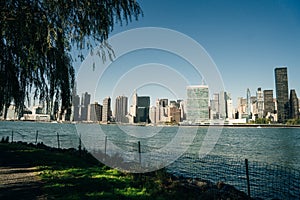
column 256, row 179
column 260, row 180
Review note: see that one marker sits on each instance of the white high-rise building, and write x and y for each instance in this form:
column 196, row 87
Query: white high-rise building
column 197, row 105
column 183, row 111
column 230, row 110
column 153, row 114
column 121, row 106
column 85, row 101
column 133, row 108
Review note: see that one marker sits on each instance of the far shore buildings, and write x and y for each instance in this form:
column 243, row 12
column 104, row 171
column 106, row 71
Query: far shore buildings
column 275, row 105
column 197, row 105
column 269, row 105
column 37, row 115
column 294, row 105
column 166, row 111
column 85, row 101
column 121, row 109
column 140, row 109
column 94, row 112
column 221, row 106
column 106, row 110
column 282, row 94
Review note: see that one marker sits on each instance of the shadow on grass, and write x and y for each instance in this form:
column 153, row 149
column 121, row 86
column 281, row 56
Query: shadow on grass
column 71, row 174
column 68, row 174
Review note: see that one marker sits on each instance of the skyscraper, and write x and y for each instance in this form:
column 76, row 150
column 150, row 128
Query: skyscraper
column 161, row 110
column 163, row 102
column 85, row 101
column 94, row 112
column 121, row 109
column 269, row 105
column 106, row 110
column 139, row 109
column 183, row 110
column 229, row 106
column 223, row 105
column 260, row 103
column 75, row 107
column 174, row 114
column 197, row 104
column 153, row 115
column 133, row 108
column 294, row 105
column 215, row 106
column 75, row 104
column 282, row 94
column 143, row 106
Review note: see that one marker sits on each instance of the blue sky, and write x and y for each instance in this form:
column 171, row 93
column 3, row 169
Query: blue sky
column 245, row 39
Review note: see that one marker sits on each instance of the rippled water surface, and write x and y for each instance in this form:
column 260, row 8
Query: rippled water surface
column 277, row 148
column 271, row 145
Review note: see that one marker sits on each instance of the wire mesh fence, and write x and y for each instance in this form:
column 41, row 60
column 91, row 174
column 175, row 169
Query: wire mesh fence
column 256, row 179
column 266, row 181
column 57, row 138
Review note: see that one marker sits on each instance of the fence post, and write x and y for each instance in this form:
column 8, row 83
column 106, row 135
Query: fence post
column 139, row 150
column 58, row 145
column 79, row 146
column 248, row 180
column 105, row 146
column 12, row 136
column 36, row 137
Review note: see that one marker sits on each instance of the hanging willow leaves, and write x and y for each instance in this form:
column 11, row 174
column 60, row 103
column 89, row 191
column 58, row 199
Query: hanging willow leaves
column 36, row 37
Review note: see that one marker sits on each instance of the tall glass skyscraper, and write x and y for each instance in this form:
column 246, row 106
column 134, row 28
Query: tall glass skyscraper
column 197, row 104
column 106, row 110
column 282, row 94
column 260, row 103
column 143, row 106
column 121, row 106
column 294, row 105
column 85, row 101
column 269, row 105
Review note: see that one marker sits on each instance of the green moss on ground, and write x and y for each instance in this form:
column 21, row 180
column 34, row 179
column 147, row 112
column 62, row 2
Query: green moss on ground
column 68, row 174
column 72, row 174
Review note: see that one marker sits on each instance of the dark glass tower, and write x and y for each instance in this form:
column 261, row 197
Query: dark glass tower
column 143, row 105
column 282, row 94
column 269, row 106
column 294, row 105
column 106, row 110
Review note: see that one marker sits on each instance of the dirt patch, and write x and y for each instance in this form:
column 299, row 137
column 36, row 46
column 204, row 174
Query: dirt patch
column 20, row 183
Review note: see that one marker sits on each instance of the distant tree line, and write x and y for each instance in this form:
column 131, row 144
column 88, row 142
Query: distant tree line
column 36, row 39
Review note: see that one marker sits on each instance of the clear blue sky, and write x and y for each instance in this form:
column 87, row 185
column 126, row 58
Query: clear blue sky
column 245, row 39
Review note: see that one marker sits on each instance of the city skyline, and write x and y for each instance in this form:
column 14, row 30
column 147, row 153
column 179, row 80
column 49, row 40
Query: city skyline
column 246, row 40
column 199, row 107
column 253, row 93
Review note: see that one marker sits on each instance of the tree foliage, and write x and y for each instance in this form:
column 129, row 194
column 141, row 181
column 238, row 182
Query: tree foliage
column 36, row 39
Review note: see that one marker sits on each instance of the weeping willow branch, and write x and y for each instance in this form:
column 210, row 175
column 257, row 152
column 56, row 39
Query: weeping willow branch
column 36, row 37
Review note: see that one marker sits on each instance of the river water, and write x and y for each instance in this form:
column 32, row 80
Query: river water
column 229, row 147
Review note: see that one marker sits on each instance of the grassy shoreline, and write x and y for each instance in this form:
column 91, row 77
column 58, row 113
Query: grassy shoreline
column 73, row 174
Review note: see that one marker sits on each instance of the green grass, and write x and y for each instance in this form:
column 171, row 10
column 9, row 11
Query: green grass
column 70, row 175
